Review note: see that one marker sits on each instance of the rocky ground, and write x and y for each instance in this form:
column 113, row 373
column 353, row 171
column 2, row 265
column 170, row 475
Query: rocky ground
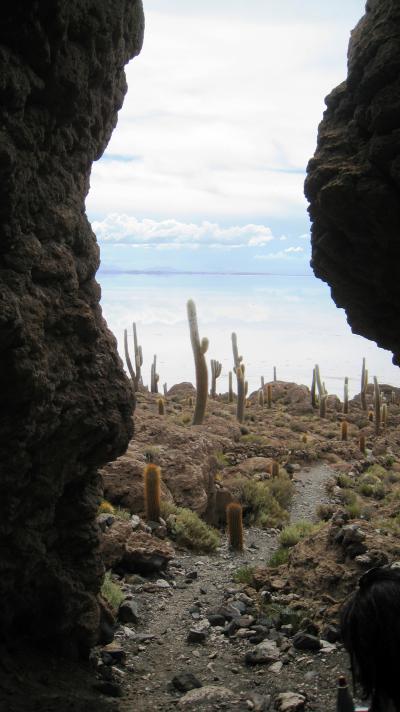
column 224, row 630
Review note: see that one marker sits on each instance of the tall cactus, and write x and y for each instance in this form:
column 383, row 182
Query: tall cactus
column 199, row 350
column 230, row 391
column 269, row 395
column 165, row 389
column 320, row 386
column 261, row 398
column 234, row 517
column 138, row 358
column 364, row 384
column 377, row 406
column 216, row 368
column 346, row 396
column 152, row 491
column 262, row 382
column 130, row 367
column 154, row 376
column 322, row 405
column 275, row 377
column 239, row 370
column 313, row 390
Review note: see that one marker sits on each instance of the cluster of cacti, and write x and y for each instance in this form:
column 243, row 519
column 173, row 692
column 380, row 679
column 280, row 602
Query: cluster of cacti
column 377, row 406
column 346, row 396
column 242, row 386
column 364, row 385
column 199, row 350
column 161, row 406
column 154, row 376
column 344, row 429
column 230, row 389
column 234, row 518
column 152, row 491
column 216, row 368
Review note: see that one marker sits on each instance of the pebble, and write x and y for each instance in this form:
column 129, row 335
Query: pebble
column 186, row 681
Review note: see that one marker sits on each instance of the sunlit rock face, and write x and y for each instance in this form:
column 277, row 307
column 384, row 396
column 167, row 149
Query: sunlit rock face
column 353, row 181
column 65, row 404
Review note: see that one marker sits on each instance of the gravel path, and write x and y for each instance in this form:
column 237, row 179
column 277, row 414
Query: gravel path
column 158, row 650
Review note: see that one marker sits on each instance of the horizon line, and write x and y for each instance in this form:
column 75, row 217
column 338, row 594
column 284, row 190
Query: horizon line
column 201, row 272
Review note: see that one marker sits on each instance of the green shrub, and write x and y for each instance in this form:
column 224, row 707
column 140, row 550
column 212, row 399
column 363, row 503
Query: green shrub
column 106, row 507
column 325, row 512
column 377, row 471
column 221, row 459
column 122, row 513
column 261, row 506
column 189, row 530
column 279, row 557
column 354, row 510
column 244, row 575
column 344, row 481
column 371, row 486
column 112, row 592
column 282, row 489
column 292, row 534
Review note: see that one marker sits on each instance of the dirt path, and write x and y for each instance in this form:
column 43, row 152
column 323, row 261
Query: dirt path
column 158, row 649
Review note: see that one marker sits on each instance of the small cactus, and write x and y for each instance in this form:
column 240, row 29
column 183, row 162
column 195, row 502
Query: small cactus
column 344, row 429
column 269, row 395
column 305, row 439
column 346, row 396
column 199, row 349
column 161, row 408
column 234, row 518
column 152, row 491
column 274, row 468
column 216, row 368
column 363, row 447
column 371, row 416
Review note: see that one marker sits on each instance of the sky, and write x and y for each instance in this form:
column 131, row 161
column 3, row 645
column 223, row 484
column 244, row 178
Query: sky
column 205, row 169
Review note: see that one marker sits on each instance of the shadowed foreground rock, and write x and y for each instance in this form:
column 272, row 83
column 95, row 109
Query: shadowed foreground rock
column 353, row 181
column 65, row 404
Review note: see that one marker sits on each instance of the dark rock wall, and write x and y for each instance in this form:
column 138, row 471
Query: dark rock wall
column 353, row 181
column 65, row 404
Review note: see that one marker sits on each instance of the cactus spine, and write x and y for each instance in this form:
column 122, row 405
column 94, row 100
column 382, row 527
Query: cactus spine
column 161, row 409
column 230, row 392
column 199, row 350
column 239, row 369
column 377, row 406
column 344, row 429
column 216, row 368
column 152, row 491
column 364, row 384
column 234, row 518
column 269, row 395
column 346, row 396
column 363, row 447
column 154, row 376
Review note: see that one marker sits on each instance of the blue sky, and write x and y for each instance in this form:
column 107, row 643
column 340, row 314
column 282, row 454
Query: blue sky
column 205, row 169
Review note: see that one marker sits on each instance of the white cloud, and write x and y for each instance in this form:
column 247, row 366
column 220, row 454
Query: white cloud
column 171, row 234
column 223, row 115
column 294, row 249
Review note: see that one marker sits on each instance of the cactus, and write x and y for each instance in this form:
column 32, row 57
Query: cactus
column 234, row 518
column 138, row 358
column 199, row 349
column 364, row 384
column 393, row 397
column 261, row 398
column 377, row 406
column 230, row 393
column 274, row 468
column 346, row 396
column 165, row 389
column 384, row 415
column 322, row 405
column 269, row 395
column 130, row 367
column 305, row 439
column 313, row 390
column 161, row 409
column 154, row 376
column 275, row 378
column 239, row 370
column 344, row 429
column 363, row 447
column 262, row 382
column 321, row 389
column 216, row 368
column 371, row 416
column 152, row 491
